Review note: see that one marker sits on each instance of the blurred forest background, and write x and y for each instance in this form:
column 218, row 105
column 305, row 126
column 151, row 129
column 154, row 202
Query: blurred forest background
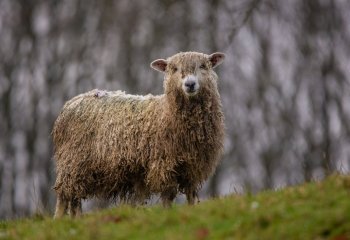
column 285, row 83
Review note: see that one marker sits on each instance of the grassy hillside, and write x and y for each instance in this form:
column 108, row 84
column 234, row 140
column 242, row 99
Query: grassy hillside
column 319, row 210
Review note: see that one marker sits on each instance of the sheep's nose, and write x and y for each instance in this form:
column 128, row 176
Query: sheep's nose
column 190, row 84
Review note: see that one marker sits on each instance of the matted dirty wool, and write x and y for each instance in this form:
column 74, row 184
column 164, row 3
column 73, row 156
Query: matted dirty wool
column 115, row 145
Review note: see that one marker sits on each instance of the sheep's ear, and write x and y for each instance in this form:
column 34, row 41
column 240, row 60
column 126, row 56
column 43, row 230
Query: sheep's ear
column 159, row 65
column 216, row 59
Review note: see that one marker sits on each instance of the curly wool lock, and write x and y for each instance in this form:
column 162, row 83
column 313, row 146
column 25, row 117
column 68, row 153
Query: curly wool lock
column 115, row 145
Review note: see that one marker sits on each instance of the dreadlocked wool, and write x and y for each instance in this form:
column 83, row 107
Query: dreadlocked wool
column 108, row 144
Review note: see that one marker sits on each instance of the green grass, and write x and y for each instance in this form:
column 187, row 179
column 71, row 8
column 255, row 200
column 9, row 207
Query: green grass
column 319, row 210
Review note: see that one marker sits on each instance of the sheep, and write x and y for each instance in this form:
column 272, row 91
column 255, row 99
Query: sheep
column 113, row 145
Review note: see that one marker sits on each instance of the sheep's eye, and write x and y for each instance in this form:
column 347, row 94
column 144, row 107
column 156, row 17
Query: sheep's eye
column 174, row 69
column 203, row 66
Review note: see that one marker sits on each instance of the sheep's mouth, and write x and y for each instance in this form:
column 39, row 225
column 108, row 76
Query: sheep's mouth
column 191, row 92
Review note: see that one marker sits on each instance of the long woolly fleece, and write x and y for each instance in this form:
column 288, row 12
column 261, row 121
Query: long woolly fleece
column 115, row 145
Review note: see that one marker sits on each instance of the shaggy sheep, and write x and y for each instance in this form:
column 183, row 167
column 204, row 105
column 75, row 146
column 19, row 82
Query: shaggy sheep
column 116, row 145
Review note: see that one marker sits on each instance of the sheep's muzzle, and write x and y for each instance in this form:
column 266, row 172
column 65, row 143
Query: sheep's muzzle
column 190, row 85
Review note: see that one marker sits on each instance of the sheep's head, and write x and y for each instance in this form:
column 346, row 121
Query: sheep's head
column 189, row 71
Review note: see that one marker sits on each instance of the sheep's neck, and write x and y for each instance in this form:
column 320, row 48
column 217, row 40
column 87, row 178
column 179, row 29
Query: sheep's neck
column 193, row 125
column 192, row 109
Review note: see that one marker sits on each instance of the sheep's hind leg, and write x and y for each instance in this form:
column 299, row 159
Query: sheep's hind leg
column 61, row 206
column 168, row 197
column 75, row 207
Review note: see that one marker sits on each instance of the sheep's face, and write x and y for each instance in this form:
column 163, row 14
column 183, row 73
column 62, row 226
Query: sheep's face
column 188, row 71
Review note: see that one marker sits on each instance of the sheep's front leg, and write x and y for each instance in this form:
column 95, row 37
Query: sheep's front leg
column 75, row 207
column 191, row 196
column 61, row 206
column 168, row 197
